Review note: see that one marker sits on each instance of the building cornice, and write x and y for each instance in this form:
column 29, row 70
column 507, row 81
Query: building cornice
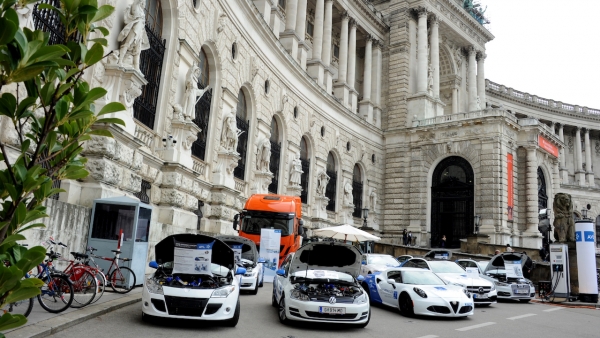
column 370, row 14
column 463, row 20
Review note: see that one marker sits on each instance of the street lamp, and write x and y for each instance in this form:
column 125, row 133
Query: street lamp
column 365, row 215
column 477, row 223
column 585, row 211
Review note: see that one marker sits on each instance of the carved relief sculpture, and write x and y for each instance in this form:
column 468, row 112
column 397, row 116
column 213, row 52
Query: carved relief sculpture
column 564, row 227
column 130, row 94
column 348, row 193
column 373, row 199
column 296, row 170
column 322, row 181
column 430, row 79
column 230, row 133
column 192, row 93
column 263, row 156
column 133, row 38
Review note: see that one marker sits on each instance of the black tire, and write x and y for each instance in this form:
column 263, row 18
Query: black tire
column 262, row 280
column 102, row 284
column 22, row 307
column 281, row 311
column 85, row 289
column 274, row 300
column 236, row 316
column 524, row 300
column 405, row 305
column 57, row 293
column 363, row 325
column 255, row 291
column 122, row 280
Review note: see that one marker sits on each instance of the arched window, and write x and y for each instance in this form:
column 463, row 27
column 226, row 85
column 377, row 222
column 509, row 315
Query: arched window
column 202, row 108
column 304, row 177
column 241, row 119
column 331, row 189
column 357, row 191
column 151, row 60
column 275, row 156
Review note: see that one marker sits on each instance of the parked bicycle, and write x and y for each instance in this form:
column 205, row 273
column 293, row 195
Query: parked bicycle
column 57, row 292
column 120, row 278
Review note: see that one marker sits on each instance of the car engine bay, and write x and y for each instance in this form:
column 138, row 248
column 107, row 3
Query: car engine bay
column 317, row 290
column 194, row 281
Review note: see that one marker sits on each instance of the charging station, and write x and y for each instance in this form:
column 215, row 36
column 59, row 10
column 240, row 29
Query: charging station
column 586, row 260
column 561, row 281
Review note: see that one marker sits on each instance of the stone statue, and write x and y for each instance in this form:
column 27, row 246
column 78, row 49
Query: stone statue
column 430, row 78
column 322, row 181
column 128, row 97
column 133, row 37
column 348, row 200
column 373, row 199
column 263, row 158
column 564, row 226
column 296, row 170
column 230, row 133
column 478, row 103
column 192, row 93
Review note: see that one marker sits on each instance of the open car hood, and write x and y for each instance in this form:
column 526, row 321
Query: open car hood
column 249, row 251
column 327, row 256
column 222, row 254
column 497, row 261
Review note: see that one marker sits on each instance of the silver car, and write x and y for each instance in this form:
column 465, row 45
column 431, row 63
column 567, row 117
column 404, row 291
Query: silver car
column 511, row 285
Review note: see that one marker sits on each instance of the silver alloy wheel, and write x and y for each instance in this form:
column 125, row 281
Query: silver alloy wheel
column 282, row 316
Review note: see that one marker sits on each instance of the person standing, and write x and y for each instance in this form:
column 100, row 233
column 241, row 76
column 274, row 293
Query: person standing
column 409, row 238
column 404, row 237
column 443, row 241
column 508, row 248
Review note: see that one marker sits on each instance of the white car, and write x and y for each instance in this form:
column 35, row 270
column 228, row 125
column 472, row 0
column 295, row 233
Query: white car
column 484, row 292
column 255, row 271
column 212, row 295
column 514, row 286
column 320, row 283
column 377, row 262
column 418, row 291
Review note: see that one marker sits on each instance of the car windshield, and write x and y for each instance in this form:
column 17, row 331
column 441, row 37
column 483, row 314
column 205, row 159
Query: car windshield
column 424, row 277
column 382, row 260
column 483, row 265
column 446, row 267
column 253, row 222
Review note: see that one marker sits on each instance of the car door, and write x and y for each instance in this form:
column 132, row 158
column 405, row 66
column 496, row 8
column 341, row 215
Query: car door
column 389, row 292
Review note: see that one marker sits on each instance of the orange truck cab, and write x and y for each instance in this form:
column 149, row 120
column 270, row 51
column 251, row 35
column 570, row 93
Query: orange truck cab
column 272, row 211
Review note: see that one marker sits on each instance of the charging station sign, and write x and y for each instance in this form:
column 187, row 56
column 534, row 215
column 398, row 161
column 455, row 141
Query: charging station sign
column 586, row 258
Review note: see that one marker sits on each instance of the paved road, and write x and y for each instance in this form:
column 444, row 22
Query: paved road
column 259, row 319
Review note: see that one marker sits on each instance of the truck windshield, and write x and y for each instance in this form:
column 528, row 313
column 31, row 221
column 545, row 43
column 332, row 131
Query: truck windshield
column 252, row 222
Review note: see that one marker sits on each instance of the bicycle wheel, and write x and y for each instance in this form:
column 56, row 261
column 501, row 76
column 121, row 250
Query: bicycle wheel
column 22, row 307
column 122, row 279
column 102, row 282
column 85, row 287
column 57, row 293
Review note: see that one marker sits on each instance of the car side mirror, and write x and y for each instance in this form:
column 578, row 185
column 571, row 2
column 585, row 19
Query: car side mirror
column 391, row 281
column 360, row 278
column 280, row 272
column 363, row 263
column 153, row 265
column 240, row 270
column 236, row 218
column 261, row 260
column 301, row 229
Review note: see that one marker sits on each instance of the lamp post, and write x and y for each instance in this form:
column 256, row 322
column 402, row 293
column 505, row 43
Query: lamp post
column 365, row 212
column 477, row 224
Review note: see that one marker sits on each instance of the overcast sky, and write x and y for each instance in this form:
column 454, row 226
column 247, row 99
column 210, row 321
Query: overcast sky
column 550, row 48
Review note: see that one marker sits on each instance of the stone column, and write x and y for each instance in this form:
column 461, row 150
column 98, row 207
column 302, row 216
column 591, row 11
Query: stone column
column 376, row 83
column 435, row 56
column 464, row 96
column 301, row 32
column 531, row 237
column 588, row 159
column 341, row 88
column 579, row 172
column 289, row 39
column 366, row 106
column 316, row 68
column 481, row 79
column 564, row 174
column 472, row 80
column 412, row 61
column 327, row 31
column 352, row 65
column 422, row 51
column 454, row 100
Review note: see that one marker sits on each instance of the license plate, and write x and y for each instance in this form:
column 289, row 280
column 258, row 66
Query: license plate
column 480, row 296
column 332, row 310
column 521, row 291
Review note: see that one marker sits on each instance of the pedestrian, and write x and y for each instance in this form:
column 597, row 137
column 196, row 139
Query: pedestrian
column 508, row 248
column 497, row 252
column 404, row 237
column 409, row 238
column 443, row 241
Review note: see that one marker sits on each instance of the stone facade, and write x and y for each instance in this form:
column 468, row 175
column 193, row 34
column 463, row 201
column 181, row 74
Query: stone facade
column 392, row 87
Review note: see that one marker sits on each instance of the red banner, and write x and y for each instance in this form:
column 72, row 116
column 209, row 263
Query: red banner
column 509, row 170
column 545, row 144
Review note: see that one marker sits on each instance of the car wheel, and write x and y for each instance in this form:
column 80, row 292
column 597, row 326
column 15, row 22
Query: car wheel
column 236, row 316
column 363, row 325
column 406, row 305
column 262, row 281
column 281, row 311
column 524, row 300
column 274, row 300
column 255, row 291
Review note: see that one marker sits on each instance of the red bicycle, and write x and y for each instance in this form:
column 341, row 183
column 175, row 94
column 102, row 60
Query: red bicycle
column 120, row 278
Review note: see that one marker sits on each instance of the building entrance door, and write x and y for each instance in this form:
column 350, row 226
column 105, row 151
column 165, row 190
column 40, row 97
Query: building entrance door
column 452, row 202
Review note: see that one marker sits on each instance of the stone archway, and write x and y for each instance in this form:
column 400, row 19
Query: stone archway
column 452, row 201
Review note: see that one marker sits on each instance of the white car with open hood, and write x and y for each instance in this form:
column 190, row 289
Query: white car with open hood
column 194, row 279
column 320, row 283
column 246, row 256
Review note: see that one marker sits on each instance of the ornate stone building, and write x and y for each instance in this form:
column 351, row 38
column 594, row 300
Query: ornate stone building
column 353, row 104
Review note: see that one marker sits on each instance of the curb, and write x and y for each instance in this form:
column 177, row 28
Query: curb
column 576, row 304
column 61, row 322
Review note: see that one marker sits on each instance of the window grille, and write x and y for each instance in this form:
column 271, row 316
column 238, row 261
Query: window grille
column 144, row 194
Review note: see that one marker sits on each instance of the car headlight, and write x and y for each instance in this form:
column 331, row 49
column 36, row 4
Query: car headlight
column 153, row 286
column 500, row 284
column 361, row 299
column 467, row 293
column 493, row 287
column 420, row 292
column 223, row 292
column 458, row 284
column 298, row 295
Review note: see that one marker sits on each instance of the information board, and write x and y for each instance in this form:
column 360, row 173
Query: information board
column 192, row 258
column 270, row 240
column 237, row 252
column 513, row 269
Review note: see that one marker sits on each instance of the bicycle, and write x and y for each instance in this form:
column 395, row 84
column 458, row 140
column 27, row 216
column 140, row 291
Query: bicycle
column 120, row 278
column 57, row 292
column 87, row 261
column 22, row 307
column 84, row 281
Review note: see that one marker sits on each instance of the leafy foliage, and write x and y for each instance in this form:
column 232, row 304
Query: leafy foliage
column 51, row 109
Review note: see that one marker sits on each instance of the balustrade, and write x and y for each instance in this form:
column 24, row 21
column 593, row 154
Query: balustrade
column 144, row 134
column 240, row 185
column 198, row 166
